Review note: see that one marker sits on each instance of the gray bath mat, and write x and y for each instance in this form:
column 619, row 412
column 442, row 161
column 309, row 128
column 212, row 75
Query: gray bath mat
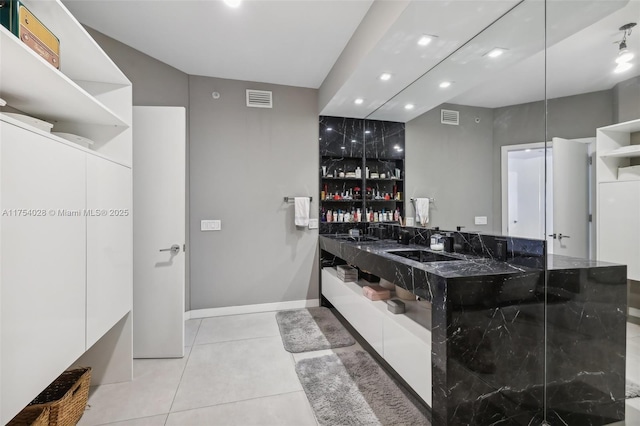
column 311, row 329
column 632, row 390
column 350, row 388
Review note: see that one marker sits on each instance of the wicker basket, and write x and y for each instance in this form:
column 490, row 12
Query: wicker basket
column 66, row 398
column 31, row 417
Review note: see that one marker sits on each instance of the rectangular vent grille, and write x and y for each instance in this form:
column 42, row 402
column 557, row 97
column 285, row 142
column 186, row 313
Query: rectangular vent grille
column 259, row 99
column 449, row 117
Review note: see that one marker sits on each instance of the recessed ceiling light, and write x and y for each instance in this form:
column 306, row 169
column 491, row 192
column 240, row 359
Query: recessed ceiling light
column 625, row 66
column 409, row 106
column 233, row 3
column 424, row 40
column 445, row 84
column 495, row 52
column 358, row 101
column 342, row 147
column 329, row 129
column 353, row 141
column 385, row 76
column 367, row 131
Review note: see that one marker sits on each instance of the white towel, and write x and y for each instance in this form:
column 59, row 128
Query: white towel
column 302, row 211
column 422, row 210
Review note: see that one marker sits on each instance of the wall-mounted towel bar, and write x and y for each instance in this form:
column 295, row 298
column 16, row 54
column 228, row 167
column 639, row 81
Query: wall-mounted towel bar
column 292, row 199
column 433, row 200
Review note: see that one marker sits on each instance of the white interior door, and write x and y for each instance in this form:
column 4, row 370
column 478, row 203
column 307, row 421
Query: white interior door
column 159, row 165
column 570, row 197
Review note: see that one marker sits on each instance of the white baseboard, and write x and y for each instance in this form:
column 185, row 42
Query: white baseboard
column 251, row 309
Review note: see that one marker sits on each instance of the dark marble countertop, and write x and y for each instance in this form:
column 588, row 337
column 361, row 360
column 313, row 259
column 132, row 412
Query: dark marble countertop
column 466, row 266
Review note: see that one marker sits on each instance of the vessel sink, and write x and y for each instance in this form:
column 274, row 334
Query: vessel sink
column 423, row 256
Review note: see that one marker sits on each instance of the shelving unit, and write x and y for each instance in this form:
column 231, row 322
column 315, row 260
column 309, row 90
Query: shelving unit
column 363, row 189
column 349, row 143
column 61, row 297
column 89, row 96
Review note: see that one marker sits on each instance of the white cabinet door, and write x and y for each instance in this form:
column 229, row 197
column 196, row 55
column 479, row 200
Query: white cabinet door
column 619, row 225
column 407, row 348
column 109, row 245
column 43, row 263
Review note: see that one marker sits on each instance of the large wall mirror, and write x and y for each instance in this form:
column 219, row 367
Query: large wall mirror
column 508, row 117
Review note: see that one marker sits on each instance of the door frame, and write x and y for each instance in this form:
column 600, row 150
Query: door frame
column 504, row 170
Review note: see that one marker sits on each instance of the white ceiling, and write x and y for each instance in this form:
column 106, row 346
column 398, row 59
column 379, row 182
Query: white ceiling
column 282, row 42
column 296, row 43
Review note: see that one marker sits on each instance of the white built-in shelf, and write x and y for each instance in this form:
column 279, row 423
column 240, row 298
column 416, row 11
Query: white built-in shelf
column 623, row 152
column 626, row 127
column 31, row 85
column 80, row 56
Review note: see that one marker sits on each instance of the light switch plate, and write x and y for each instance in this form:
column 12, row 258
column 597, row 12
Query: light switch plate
column 480, row 220
column 210, row 225
column 313, row 223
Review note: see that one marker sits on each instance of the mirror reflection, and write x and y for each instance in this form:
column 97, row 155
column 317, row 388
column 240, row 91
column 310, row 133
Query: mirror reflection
column 486, row 167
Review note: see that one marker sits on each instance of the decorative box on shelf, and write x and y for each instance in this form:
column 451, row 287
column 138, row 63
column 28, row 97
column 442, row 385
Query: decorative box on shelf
column 27, row 27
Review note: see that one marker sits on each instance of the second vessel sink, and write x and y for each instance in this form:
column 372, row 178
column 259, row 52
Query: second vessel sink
column 423, row 256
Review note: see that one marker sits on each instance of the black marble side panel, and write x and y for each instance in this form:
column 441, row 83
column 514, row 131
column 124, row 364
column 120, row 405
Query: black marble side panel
column 586, row 344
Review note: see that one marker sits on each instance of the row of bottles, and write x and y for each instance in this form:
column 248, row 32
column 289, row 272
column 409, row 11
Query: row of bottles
column 354, row 194
column 356, row 215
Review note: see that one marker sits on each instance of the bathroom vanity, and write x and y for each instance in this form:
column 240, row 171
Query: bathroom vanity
column 488, row 335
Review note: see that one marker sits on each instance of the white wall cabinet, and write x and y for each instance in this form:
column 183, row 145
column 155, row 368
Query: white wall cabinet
column 65, row 275
column 403, row 343
column 618, row 201
column 619, row 239
column 109, row 245
column 43, row 263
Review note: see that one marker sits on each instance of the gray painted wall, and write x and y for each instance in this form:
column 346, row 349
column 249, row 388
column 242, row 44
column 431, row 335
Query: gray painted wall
column 452, row 164
column 627, row 100
column 154, row 83
column 460, row 166
column 243, row 162
column 569, row 117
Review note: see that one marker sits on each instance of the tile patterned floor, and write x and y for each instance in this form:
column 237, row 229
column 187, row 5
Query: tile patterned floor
column 236, row 372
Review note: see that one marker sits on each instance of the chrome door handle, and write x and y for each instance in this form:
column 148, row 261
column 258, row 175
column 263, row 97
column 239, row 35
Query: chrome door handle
column 174, row 249
column 560, row 236
column 553, row 235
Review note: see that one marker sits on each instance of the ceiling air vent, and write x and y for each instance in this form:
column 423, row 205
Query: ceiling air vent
column 449, row 117
column 259, row 99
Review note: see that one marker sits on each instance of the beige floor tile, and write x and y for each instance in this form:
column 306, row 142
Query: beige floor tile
column 150, row 392
column 144, row 421
column 232, row 371
column 237, row 327
column 291, row 409
column 633, row 330
column 190, row 330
